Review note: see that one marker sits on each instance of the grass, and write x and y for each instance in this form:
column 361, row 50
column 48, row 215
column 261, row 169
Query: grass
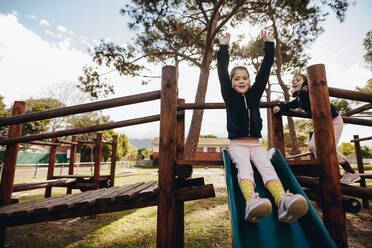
column 206, row 220
column 207, row 223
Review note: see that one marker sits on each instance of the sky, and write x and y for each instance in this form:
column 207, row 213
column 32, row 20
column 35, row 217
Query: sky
column 44, row 46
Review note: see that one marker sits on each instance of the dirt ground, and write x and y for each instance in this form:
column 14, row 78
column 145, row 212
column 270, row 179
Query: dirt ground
column 358, row 225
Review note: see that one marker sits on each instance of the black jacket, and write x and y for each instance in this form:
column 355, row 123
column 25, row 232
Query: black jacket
column 302, row 101
column 242, row 121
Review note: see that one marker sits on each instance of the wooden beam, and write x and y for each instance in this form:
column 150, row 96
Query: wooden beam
column 361, row 139
column 350, row 94
column 349, row 190
column 358, row 110
column 180, row 155
column 359, row 160
column 199, row 162
column 333, row 212
column 9, row 166
column 43, row 184
column 346, row 119
column 278, row 135
column 97, row 159
column 72, row 160
column 51, row 165
column 167, row 211
column 113, row 160
column 80, row 130
column 81, row 108
column 218, row 105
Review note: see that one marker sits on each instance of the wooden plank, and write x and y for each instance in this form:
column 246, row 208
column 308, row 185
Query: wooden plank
column 349, row 190
column 332, row 208
column 142, row 199
column 366, row 175
column 195, row 192
column 199, row 162
column 102, row 177
column 53, row 182
column 130, row 194
column 118, row 190
column 304, row 162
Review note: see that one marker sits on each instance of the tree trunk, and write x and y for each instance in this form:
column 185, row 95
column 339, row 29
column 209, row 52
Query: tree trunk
column 197, row 115
column 279, row 62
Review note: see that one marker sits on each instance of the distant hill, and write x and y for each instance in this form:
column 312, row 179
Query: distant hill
column 141, row 143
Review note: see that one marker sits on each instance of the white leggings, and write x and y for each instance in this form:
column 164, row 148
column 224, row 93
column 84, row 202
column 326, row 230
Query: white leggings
column 338, row 125
column 243, row 151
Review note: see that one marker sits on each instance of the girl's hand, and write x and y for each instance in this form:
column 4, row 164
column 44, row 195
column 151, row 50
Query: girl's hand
column 266, row 36
column 225, row 39
column 276, row 109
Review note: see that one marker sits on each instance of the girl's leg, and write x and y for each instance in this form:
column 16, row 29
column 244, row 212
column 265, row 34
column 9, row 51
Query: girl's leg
column 256, row 207
column 290, row 206
column 240, row 155
column 267, row 172
column 338, row 125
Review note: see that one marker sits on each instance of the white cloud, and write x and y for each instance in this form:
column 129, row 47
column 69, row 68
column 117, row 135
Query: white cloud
column 62, row 29
column 31, row 16
column 15, row 13
column 44, row 22
column 30, row 63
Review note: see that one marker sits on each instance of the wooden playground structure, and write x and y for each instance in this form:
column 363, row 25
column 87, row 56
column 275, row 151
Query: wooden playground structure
column 173, row 187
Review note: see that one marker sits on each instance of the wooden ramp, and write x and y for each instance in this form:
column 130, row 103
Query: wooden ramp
column 92, row 202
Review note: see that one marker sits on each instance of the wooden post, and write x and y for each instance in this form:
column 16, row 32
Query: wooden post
column 9, row 165
column 359, row 159
column 330, row 189
column 312, row 156
column 97, row 159
column 167, row 217
column 72, row 161
column 278, row 136
column 113, row 160
column 180, row 155
column 51, row 165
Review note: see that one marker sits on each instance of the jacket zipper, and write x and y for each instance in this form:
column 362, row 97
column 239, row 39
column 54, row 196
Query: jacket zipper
column 249, row 115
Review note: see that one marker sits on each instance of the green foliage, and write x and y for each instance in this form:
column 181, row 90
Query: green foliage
column 123, row 147
column 91, row 119
column 367, row 42
column 208, row 136
column 341, row 105
column 303, row 128
column 367, row 88
column 366, row 152
column 37, row 105
column 346, row 148
column 3, row 113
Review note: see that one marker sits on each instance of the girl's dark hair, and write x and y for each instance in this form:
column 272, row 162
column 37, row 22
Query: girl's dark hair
column 237, row 68
column 304, row 77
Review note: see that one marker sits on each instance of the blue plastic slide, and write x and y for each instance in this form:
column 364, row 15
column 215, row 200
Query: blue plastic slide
column 308, row 231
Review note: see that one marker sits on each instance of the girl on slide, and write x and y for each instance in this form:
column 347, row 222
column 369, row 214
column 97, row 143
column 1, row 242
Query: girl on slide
column 244, row 126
